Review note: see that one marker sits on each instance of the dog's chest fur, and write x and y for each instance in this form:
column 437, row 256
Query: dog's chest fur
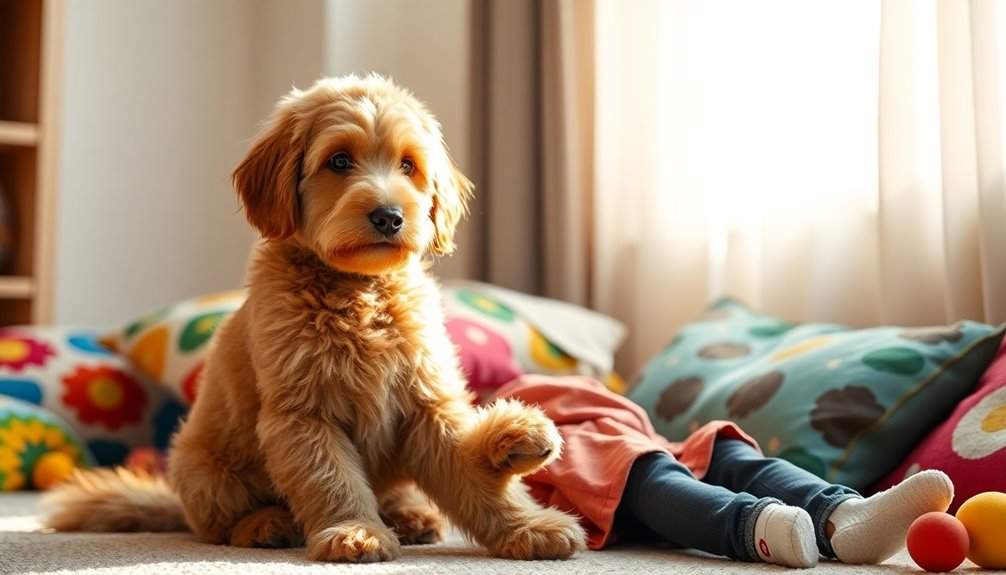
column 354, row 344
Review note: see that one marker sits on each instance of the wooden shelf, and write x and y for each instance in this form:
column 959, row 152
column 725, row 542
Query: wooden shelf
column 16, row 287
column 31, row 34
column 18, row 134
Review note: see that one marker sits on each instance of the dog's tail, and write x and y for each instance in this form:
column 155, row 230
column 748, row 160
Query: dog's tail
column 114, row 500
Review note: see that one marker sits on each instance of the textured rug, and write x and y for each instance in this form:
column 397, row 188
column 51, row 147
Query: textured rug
column 25, row 548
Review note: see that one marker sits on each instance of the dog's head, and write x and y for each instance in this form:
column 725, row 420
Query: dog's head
column 356, row 170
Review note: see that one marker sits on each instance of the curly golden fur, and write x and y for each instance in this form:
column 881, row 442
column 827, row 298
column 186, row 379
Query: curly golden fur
column 335, row 390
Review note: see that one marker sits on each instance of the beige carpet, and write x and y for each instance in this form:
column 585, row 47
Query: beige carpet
column 24, row 549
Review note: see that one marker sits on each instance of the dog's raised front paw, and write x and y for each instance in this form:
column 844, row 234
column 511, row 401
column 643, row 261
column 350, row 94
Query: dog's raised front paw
column 415, row 525
column 547, row 534
column 517, row 439
column 354, row 542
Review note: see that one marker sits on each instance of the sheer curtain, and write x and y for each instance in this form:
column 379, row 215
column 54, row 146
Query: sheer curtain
column 827, row 161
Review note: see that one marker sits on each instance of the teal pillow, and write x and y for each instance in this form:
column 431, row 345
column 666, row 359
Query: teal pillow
column 845, row 404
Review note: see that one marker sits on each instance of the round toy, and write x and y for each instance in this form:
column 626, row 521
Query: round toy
column 937, row 542
column 147, row 460
column 984, row 516
column 51, row 468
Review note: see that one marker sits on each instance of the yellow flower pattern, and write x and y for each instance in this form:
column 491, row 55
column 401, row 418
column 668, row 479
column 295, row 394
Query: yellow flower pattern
column 22, row 442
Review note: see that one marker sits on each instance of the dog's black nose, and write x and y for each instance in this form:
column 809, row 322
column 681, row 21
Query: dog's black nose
column 388, row 221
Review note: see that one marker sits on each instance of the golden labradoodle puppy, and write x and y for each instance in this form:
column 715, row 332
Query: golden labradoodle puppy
column 335, row 390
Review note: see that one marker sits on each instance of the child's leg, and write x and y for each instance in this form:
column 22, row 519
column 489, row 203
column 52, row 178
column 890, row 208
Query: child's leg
column 848, row 527
column 665, row 496
column 739, row 467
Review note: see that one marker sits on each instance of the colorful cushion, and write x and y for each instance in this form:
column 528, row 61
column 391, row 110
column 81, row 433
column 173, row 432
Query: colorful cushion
column 169, row 345
column 486, row 358
column 970, row 446
column 27, row 432
column 532, row 334
column 110, row 405
column 495, row 341
column 845, row 404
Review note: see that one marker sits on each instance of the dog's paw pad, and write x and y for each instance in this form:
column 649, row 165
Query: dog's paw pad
column 354, row 542
column 548, row 535
column 270, row 527
column 415, row 525
column 521, row 442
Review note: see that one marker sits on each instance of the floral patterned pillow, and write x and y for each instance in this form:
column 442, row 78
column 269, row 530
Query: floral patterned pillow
column 110, row 405
column 486, row 358
column 27, row 433
column 845, row 404
column 169, row 345
column 490, row 327
column 531, row 334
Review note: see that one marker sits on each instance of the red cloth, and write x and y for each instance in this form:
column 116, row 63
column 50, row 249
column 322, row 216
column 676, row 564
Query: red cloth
column 604, row 433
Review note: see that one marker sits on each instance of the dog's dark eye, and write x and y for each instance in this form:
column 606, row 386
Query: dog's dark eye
column 340, row 162
column 408, row 166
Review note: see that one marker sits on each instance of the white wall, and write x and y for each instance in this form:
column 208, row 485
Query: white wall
column 289, row 49
column 160, row 98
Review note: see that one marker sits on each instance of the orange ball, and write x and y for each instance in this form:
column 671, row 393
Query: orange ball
column 52, row 468
column 984, row 516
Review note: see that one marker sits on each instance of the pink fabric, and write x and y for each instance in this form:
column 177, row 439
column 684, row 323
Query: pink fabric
column 604, row 434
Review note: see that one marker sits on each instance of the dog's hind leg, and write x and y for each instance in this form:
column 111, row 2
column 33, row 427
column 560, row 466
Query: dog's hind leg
column 271, row 527
column 413, row 518
column 217, row 490
column 229, row 501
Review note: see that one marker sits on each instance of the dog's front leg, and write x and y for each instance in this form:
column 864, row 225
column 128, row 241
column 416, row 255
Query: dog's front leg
column 470, row 464
column 319, row 472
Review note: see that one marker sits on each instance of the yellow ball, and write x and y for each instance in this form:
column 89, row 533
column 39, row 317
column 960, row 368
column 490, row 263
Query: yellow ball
column 984, row 516
column 52, row 468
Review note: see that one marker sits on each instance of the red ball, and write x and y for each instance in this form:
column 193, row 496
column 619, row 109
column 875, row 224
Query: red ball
column 937, row 542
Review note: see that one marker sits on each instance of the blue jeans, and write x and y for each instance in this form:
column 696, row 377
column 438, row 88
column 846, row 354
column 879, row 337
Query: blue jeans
column 717, row 514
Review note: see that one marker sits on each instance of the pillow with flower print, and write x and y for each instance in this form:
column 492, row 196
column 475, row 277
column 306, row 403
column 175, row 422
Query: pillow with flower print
column 970, row 445
column 485, row 357
column 494, row 342
column 27, row 432
column 845, row 404
column 169, row 345
column 531, row 334
column 110, row 405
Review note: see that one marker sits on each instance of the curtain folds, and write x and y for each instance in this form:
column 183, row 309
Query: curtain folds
column 839, row 160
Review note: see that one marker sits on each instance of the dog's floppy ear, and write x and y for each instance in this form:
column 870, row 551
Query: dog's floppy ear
column 266, row 180
column 452, row 190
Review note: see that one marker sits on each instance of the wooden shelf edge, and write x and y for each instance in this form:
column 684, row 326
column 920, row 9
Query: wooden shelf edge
column 18, row 134
column 16, row 287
